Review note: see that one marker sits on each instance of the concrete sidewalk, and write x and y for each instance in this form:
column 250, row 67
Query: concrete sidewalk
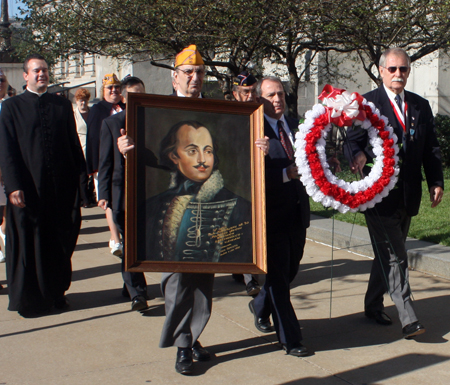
column 100, row 341
column 424, row 256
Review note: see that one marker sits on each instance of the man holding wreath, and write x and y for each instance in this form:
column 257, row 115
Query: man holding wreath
column 388, row 222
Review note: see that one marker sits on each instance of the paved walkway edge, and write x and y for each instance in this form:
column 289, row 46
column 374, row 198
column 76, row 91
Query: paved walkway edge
column 423, row 256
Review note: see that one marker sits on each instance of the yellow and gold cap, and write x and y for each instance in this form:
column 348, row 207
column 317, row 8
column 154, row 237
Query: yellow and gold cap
column 189, row 55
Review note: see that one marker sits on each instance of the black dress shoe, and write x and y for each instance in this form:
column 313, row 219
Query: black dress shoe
column 199, row 353
column 239, row 278
column 61, row 303
column 253, row 287
column 379, row 316
column 184, row 363
column 125, row 292
column 139, row 303
column 262, row 324
column 412, row 330
column 298, row 350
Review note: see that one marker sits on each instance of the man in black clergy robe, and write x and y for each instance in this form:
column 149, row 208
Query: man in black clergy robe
column 41, row 159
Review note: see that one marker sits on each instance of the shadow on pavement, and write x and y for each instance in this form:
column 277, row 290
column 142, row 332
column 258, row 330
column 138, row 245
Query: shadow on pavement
column 94, row 230
column 97, row 271
column 63, row 324
column 378, row 372
column 91, row 246
column 249, row 347
column 92, row 217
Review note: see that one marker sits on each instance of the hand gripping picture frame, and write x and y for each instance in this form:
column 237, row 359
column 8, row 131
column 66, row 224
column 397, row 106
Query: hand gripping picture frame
column 195, row 192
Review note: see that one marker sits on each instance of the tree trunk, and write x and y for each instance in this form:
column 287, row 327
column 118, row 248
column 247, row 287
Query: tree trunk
column 292, row 93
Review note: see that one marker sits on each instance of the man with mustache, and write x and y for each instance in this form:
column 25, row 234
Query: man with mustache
column 388, row 222
column 189, row 217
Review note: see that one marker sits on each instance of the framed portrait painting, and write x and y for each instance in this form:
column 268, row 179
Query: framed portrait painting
column 195, row 197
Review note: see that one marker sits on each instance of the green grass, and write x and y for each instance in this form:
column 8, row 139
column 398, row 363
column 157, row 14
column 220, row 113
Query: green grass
column 430, row 225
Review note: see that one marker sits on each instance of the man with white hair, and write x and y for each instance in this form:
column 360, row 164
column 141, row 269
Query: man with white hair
column 388, row 222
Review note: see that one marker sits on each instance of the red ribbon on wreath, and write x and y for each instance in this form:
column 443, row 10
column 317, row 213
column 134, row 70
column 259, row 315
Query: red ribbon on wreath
column 343, row 107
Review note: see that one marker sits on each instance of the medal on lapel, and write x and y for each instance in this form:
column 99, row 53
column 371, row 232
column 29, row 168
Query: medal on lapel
column 412, row 130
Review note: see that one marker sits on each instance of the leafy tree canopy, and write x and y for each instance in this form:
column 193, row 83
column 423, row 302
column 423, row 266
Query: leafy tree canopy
column 232, row 33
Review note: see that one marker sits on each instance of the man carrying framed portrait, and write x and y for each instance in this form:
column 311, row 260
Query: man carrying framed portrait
column 182, row 210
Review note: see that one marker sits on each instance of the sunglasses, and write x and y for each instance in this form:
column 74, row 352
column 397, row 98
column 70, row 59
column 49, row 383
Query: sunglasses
column 2, row 80
column 394, row 69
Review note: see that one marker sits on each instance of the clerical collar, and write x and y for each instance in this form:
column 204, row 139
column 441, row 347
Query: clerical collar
column 37, row 93
column 179, row 94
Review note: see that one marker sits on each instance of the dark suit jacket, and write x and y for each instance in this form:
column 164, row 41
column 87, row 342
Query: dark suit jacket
column 111, row 168
column 286, row 203
column 97, row 114
column 420, row 146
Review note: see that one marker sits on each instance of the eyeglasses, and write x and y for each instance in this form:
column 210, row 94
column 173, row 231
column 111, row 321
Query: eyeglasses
column 394, row 69
column 190, row 72
column 2, row 80
column 247, row 93
column 113, row 87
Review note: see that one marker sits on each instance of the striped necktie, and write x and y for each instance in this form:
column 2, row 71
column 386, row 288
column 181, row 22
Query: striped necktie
column 398, row 100
column 285, row 141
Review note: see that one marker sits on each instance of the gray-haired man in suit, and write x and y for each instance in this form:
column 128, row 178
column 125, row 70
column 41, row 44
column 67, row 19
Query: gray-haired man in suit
column 388, row 222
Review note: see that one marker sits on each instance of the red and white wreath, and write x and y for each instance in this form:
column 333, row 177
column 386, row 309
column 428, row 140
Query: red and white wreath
column 345, row 110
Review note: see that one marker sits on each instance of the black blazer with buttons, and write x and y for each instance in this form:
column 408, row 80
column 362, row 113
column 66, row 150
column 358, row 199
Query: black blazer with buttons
column 419, row 146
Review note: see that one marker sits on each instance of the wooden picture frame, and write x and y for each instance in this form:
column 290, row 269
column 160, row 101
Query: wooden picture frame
column 212, row 219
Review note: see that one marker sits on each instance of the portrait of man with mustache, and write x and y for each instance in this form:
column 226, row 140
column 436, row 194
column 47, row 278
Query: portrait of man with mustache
column 197, row 219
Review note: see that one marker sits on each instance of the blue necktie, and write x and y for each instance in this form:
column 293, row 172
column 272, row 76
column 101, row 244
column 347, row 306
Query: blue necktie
column 398, row 100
